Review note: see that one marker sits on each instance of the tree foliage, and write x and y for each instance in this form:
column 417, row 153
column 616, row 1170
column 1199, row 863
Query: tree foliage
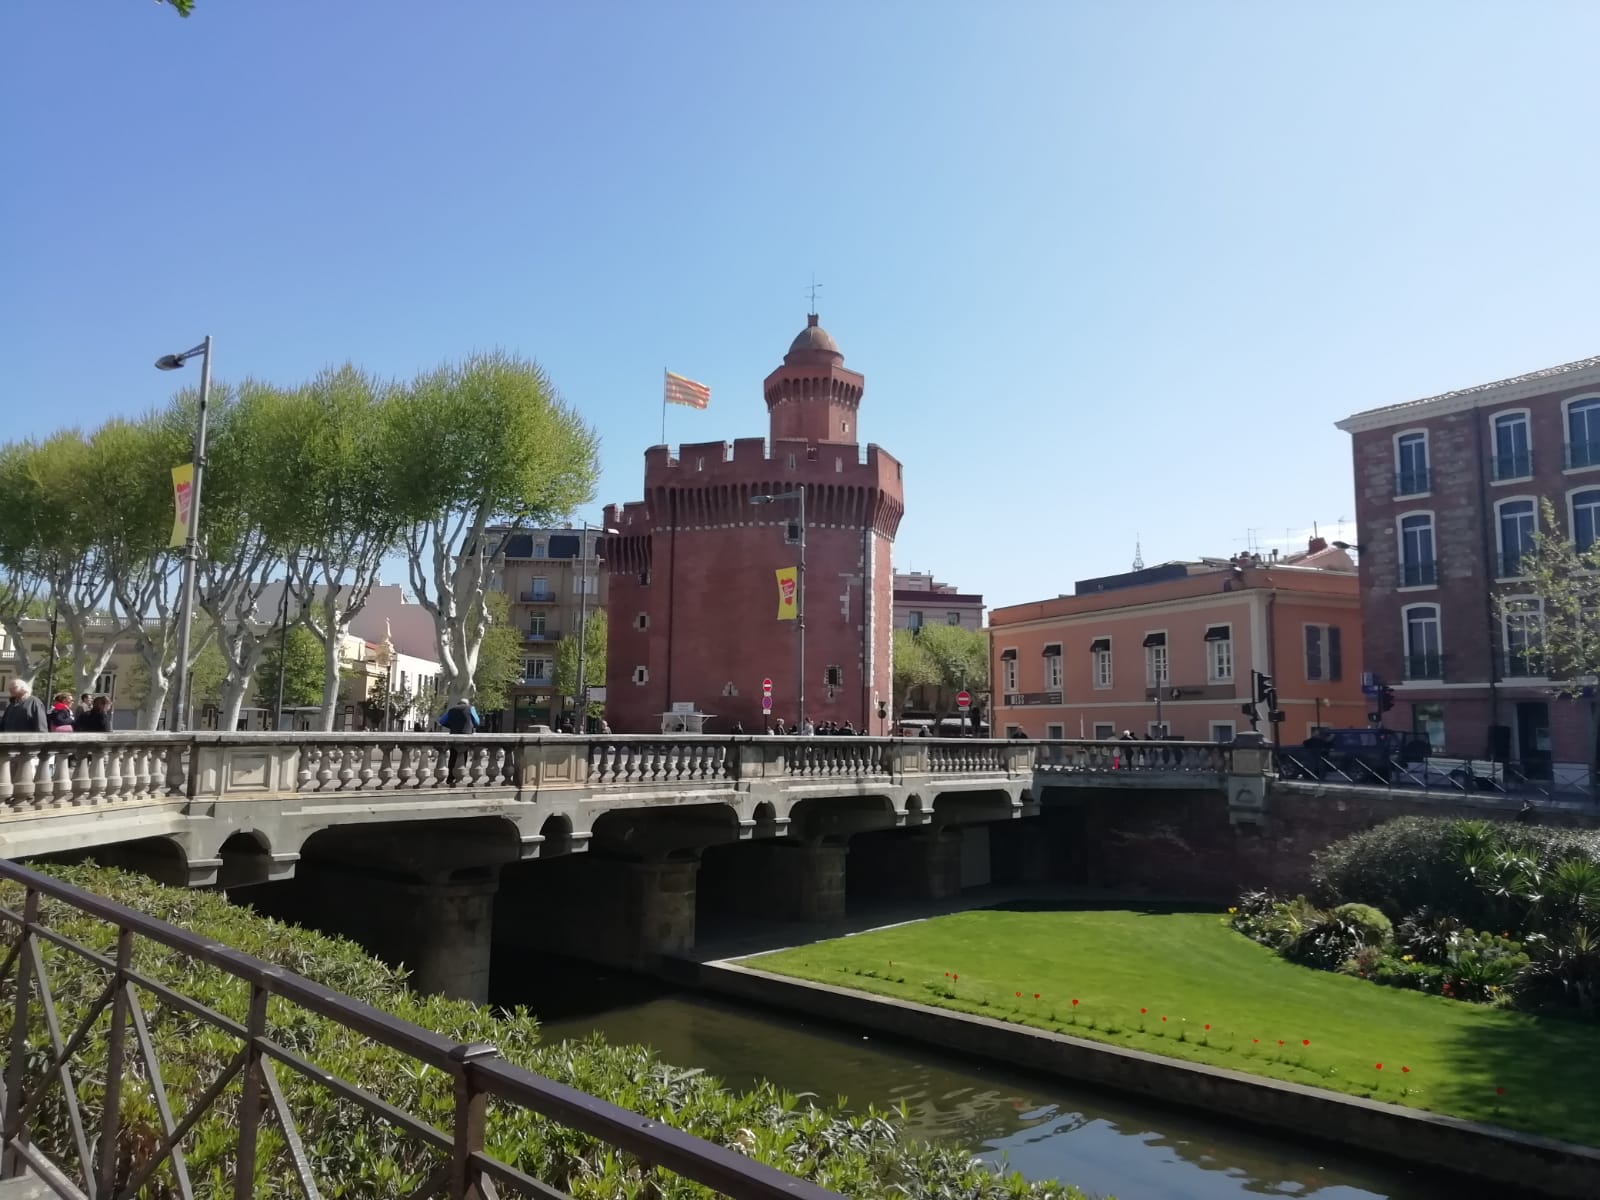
column 593, row 639
column 499, row 657
column 912, row 666
column 303, row 671
column 961, row 656
column 1568, row 579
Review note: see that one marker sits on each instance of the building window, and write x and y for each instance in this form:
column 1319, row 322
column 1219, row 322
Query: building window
column 1323, row 653
column 1513, row 451
column 1052, row 671
column 1155, row 660
column 1417, row 565
column 1055, row 733
column 1423, row 659
column 791, row 462
column 1221, row 731
column 913, row 620
column 1522, row 629
column 106, row 685
column 539, row 590
column 1411, row 464
column 540, row 550
column 1585, row 519
column 586, row 585
column 1515, row 523
column 642, row 621
column 1583, row 433
column 535, row 670
column 833, row 677
column 641, row 675
column 952, row 618
column 1428, row 719
column 1219, row 654
column 1104, row 731
column 1008, row 663
column 1100, row 662
column 536, row 625
column 1015, row 731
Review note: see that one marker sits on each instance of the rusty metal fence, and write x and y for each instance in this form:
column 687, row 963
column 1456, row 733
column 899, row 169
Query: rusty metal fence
column 39, row 1069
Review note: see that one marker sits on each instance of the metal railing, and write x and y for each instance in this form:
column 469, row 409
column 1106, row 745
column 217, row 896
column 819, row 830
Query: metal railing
column 1411, row 483
column 1085, row 757
column 1423, row 666
column 1516, row 465
column 1509, row 564
column 1424, row 573
column 119, row 1160
column 1430, row 775
column 1582, row 454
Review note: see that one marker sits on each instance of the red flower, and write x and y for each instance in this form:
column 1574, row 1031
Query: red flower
column 955, row 977
column 1144, row 1010
column 1163, row 1018
column 1499, row 1091
column 1377, row 1066
column 1405, row 1070
column 1036, row 996
column 947, row 974
column 1074, row 1003
column 1257, row 1041
column 1208, row 1026
column 1019, row 995
column 1280, row 1041
column 1305, row 1041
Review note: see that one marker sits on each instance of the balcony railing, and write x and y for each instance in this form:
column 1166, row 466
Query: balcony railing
column 1511, row 564
column 1411, row 483
column 1423, row 573
column 1517, row 465
column 1583, row 454
column 543, row 635
column 1424, row 666
column 1525, row 664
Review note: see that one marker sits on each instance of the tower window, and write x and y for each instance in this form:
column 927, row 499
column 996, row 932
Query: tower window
column 844, row 426
column 791, row 462
column 811, row 454
column 641, row 674
column 642, row 621
column 834, row 677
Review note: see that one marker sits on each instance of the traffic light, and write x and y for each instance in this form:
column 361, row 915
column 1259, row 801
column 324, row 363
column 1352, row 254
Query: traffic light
column 1264, row 689
column 1386, row 699
column 1252, row 713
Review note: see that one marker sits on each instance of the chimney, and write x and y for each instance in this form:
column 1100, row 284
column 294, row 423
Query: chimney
column 1316, row 545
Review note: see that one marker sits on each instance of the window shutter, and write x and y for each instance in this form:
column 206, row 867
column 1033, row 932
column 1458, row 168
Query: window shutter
column 1334, row 663
column 1313, row 652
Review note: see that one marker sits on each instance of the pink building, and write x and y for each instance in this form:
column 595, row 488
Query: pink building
column 1169, row 650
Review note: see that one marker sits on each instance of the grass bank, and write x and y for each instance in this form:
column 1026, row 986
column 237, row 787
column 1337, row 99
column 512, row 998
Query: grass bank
column 1185, row 985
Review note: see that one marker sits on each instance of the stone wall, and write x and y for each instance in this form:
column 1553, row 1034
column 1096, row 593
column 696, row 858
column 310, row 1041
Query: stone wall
column 1181, row 844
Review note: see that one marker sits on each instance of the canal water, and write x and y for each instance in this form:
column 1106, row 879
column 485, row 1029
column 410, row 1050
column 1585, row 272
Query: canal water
column 1047, row 1129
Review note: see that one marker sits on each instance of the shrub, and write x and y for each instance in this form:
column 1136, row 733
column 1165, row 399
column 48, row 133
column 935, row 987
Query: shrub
column 1563, row 975
column 1427, row 935
column 1374, row 926
column 1478, row 966
column 859, row 1155
column 1326, row 942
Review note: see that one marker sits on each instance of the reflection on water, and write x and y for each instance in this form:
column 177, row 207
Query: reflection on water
column 1045, row 1129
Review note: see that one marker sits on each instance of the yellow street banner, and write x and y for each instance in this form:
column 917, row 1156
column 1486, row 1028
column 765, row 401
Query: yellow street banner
column 182, row 497
column 788, row 584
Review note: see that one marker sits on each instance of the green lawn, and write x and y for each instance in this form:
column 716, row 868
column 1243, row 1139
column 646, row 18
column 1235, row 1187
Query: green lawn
column 1189, row 970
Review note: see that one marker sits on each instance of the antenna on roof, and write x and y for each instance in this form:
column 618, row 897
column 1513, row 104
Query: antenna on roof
column 1138, row 554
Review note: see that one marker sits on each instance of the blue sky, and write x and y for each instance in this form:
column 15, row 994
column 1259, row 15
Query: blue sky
column 1109, row 268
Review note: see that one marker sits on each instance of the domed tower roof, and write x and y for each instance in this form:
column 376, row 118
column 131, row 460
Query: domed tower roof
column 813, row 344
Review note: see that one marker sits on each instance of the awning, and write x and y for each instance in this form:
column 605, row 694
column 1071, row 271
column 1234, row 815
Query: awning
column 1008, row 656
column 1155, row 639
column 1100, row 644
column 1219, row 633
column 1052, row 650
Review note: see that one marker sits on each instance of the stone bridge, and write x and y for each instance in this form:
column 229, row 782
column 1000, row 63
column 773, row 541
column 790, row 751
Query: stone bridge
column 404, row 840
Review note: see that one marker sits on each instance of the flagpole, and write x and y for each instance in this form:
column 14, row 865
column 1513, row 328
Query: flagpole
column 664, row 374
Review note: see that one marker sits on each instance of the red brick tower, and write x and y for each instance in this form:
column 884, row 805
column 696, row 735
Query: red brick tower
column 692, row 597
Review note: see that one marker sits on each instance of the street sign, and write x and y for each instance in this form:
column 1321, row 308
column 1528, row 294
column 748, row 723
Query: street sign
column 766, row 697
column 963, row 700
column 766, row 687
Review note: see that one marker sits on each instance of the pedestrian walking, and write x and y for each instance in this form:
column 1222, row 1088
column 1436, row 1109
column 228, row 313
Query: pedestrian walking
column 26, row 713
column 96, row 718
column 460, row 719
column 62, row 717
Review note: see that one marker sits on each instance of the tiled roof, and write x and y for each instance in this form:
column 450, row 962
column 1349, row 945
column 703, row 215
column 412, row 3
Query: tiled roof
column 1552, row 373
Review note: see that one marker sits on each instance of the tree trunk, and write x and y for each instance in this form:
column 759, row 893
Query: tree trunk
column 155, row 697
column 330, row 679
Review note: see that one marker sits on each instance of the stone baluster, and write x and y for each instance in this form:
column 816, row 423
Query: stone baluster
column 349, row 762
column 25, row 767
column 111, row 775
column 406, row 772
column 327, row 768
column 310, row 763
column 61, row 780
column 368, row 757
column 81, row 766
column 427, row 765
column 8, row 789
column 95, row 764
column 387, row 752
column 480, row 766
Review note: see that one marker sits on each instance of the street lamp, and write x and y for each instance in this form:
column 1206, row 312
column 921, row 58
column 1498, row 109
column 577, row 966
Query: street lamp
column 191, row 543
column 799, row 496
column 583, row 621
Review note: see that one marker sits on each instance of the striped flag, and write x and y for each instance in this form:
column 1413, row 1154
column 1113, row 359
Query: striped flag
column 686, row 392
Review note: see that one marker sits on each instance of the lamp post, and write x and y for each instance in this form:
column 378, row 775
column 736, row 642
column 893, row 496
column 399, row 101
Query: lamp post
column 191, row 543
column 799, row 496
column 583, row 626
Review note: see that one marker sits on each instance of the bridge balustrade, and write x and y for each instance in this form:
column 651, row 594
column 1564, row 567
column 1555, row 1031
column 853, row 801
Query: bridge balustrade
column 1083, row 757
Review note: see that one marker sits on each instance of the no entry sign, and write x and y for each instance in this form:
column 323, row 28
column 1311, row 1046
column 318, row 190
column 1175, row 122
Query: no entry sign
column 766, row 695
column 963, row 700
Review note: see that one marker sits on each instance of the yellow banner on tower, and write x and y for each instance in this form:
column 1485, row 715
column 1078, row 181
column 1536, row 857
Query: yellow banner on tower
column 182, row 497
column 788, row 587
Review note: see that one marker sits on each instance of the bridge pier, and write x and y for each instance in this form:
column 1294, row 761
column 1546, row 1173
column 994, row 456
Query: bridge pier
column 627, row 913
column 921, row 865
column 777, row 879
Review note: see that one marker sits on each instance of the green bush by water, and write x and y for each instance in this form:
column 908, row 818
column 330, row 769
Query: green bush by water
column 355, row 1155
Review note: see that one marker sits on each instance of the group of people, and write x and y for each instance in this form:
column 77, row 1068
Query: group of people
column 809, row 729
column 26, row 713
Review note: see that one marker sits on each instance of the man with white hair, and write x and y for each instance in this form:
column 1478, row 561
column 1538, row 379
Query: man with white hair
column 25, row 713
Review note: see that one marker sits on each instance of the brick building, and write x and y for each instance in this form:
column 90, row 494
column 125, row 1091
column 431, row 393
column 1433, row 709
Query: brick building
column 692, row 594
column 1169, row 650
column 920, row 599
column 1447, row 499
